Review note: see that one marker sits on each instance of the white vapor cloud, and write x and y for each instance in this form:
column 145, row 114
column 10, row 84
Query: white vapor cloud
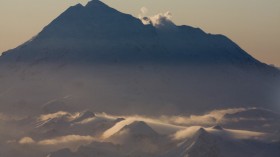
column 228, row 133
column 26, row 140
column 52, row 115
column 161, row 20
column 66, row 140
column 186, row 133
column 208, row 119
column 58, row 140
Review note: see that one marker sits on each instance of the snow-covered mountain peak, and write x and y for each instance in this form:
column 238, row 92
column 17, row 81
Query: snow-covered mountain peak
column 139, row 128
column 201, row 134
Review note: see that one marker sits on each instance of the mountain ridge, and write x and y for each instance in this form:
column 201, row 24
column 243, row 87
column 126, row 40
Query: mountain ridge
column 98, row 33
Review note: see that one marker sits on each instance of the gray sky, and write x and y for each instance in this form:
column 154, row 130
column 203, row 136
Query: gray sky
column 253, row 24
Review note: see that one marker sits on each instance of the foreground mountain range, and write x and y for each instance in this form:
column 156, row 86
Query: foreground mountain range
column 177, row 91
column 88, row 134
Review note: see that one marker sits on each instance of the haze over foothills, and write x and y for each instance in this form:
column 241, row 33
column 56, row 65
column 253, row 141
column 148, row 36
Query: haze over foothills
column 253, row 24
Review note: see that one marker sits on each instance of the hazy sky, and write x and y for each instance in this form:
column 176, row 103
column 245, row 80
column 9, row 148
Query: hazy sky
column 253, row 24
